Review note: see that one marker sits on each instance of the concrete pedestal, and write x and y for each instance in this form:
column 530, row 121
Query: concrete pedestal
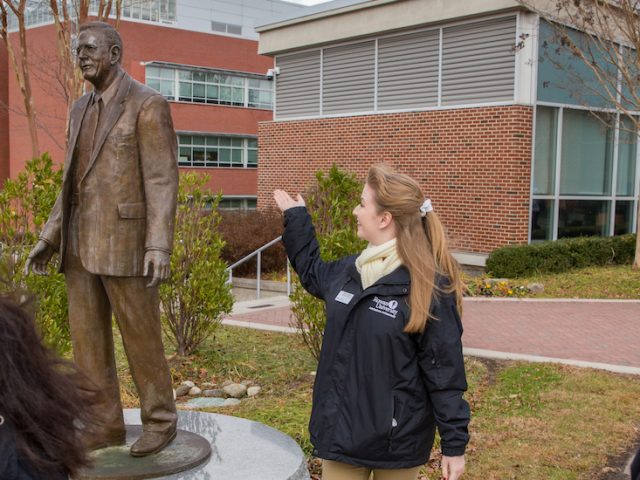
column 240, row 449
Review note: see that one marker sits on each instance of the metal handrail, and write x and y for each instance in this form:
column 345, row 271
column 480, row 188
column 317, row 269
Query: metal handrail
column 258, row 252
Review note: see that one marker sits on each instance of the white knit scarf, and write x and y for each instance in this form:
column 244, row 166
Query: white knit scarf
column 376, row 261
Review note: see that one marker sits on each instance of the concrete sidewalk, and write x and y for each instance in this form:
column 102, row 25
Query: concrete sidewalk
column 601, row 334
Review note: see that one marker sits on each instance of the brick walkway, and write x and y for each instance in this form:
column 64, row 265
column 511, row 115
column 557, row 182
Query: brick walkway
column 606, row 332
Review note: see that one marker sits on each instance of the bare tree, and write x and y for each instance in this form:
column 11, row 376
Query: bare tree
column 609, row 51
column 21, row 66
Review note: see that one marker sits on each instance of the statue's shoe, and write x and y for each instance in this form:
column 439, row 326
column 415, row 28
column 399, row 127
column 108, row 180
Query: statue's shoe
column 151, row 442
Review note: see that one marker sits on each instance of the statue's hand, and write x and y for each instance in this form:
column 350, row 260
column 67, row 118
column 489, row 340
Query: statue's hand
column 39, row 258
column 158, row 264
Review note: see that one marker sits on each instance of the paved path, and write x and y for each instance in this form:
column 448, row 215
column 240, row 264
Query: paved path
column 596, row 333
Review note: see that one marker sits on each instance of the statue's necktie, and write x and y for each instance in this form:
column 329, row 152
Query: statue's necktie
column 86, row 140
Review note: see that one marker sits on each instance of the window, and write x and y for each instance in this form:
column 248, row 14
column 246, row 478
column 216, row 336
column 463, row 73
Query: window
column 563, row 77
column 237, row 203
column 210, row 86
column 226, row 28
column 149, row 10
column 578, row 189
column 211, row 151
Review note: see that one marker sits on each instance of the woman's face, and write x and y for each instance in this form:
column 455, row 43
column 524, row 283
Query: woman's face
column 369, row 220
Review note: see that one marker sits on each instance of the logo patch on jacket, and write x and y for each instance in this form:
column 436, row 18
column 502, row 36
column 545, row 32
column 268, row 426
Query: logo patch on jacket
column 390, row 308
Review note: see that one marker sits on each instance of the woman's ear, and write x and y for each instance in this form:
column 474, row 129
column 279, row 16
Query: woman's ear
column 385, row 220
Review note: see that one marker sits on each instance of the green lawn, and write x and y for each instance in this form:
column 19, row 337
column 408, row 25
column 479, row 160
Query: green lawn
column 530, row 421
column 614, row 282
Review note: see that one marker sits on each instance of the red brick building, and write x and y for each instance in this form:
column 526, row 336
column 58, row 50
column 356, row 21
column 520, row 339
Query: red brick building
column 462, row 97
column 204, row 60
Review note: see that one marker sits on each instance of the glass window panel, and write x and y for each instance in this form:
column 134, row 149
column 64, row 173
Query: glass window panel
column 623, row 221
column 236, row 142
column 153, row 71
column 587, row 144
column 212, row 92
column 252, row 203
column 252, row 142
column 583, row 218
column 167, row 73
column 253, row 83
column 212, row 141
column 184, row 74
column 627, row 153
column 238, row 95
column 199, row 76
column 238, row 81
column 184, row 139
column 212, row 77
column 198, row 157
column 224, row 157
column 186, row 91
column 252, row 158
column 225, row 94
column 198, row 140
column 564, row 78
column 541, row 220
column 236, row 157
column 185, row 155
column 544, row 163
column 155, row 84
column 225, row 141
column 212, row 158
column 166, row 88
column 198, row 90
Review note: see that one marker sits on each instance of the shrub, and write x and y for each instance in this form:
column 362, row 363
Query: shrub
column 25, row 204
column 196, row 295
column 245, row 232
column 560, row 255
column 330, row 203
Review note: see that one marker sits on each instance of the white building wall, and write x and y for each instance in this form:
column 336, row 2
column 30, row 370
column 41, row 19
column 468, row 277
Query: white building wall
column 198, row 15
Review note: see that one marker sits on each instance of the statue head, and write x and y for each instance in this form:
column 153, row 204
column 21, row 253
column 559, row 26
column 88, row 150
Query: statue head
column 99, row 53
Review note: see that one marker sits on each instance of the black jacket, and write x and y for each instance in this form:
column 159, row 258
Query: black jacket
column 379, row 392
column 14, row 467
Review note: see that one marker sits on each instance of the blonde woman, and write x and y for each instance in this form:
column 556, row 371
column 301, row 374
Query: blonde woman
column 391, row 368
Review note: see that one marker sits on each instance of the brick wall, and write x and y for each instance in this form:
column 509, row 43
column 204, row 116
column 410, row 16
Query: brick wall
column 475, row 163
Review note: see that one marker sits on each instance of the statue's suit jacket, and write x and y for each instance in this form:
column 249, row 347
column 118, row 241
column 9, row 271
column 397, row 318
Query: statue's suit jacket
column 127, row 194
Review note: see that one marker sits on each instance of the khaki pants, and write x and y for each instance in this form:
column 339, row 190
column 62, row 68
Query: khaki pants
column 343, row 471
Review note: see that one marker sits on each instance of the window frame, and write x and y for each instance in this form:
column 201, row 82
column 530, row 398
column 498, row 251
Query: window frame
column 238, row 83
column 211, row 142
column 612, row 198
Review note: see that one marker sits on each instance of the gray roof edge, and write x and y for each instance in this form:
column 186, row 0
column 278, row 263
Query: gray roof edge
column 321, row 9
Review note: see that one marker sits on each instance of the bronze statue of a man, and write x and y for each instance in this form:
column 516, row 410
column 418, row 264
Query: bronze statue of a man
column 113, row 227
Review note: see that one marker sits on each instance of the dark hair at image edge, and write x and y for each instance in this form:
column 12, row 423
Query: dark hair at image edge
column 421, row 242
column 44, row 397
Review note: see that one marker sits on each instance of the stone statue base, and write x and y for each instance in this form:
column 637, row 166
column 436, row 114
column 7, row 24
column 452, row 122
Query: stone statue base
column 208, row 446
column 185, row 452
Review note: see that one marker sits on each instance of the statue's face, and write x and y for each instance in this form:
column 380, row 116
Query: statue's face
column 95, row 57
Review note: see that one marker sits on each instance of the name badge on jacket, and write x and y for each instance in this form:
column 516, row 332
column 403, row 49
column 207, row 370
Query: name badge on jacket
column 344, row 297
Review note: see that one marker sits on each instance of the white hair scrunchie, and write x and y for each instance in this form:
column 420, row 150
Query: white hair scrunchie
column 426, row 207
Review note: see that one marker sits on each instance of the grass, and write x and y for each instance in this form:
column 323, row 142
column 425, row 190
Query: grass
column 529, row 421
column 612, row 282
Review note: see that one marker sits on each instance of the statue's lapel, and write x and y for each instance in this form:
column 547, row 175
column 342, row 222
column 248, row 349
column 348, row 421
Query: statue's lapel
column 75, row 122
column 110, row 116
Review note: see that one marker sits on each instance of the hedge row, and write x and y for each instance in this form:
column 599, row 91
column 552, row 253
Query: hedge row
column 560, row 255
column 245, row 232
